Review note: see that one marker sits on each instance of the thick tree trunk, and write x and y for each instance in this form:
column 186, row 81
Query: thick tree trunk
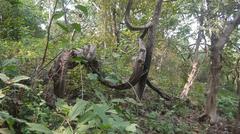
column 217, row 45
column 213, row 84
column 149, row 47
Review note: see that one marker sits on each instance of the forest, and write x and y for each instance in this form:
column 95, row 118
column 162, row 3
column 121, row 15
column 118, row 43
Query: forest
column 119, row 67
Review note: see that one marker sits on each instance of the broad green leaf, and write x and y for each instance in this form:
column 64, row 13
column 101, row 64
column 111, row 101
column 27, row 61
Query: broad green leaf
column 19, row 78
column 4, row 78
column 82, row 128
column 131, row 100
column 131, row 128
column 113, row 78
column 62, row 106
column 58, row 14
column 78, row 109
column 92, row 76
column 76, row 26
column 18, row 85
column 6, row 116
column 83, row 9
column 63, row 26
column 87, row 117
column 100, row 110
column 39, row 128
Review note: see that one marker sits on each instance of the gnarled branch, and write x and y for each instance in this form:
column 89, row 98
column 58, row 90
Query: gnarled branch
column 127, row 20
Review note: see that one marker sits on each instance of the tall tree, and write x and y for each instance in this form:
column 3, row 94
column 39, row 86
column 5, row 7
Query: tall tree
column 218, row 41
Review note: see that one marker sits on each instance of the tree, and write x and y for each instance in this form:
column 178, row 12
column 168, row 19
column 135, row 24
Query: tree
column 18, row 21
column 218, row 41
column 142, row 64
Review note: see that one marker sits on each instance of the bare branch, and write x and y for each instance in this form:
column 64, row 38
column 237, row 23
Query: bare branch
column 158, row 90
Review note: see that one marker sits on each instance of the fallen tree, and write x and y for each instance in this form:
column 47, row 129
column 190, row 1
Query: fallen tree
column 64, row 63
column 139, row 76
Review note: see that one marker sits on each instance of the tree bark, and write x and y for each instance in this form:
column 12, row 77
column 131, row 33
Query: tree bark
column 116, row 30
column 213, row 84
column 236, row 129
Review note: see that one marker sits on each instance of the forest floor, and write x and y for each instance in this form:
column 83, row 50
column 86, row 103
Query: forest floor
column 159, row 116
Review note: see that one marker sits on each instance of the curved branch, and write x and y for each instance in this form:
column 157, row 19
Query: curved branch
column 158, row 90
column 127, row 20
column 134, row 78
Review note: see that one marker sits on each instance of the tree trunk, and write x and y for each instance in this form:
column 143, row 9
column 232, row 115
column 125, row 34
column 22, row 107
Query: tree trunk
column 236, row 129
column 116, row 30
column 213, row 84
column 149, row 47
column 217, row 45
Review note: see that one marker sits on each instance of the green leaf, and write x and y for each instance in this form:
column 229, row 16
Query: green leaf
column 112, row 79
column 62, row 26
column 131, row 128
column 78, row 109
column 100, row 110
column 115, row 55
column 83, row 9
column 62, row 106
column 18, row 85
column 19, row 78
column 39, row 128
column 6, row 116
column 4, row 78
column 67, row 131
column 76, row 26
column 58, row 14
column 118, row 101
column 92, row 76
column 82, row 128
column 87, row 117
column 131, row 100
